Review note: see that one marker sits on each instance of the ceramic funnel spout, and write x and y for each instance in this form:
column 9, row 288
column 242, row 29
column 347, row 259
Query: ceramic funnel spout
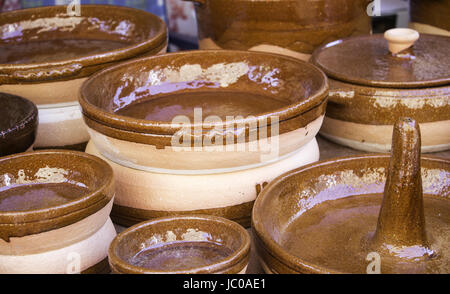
column 401, row 222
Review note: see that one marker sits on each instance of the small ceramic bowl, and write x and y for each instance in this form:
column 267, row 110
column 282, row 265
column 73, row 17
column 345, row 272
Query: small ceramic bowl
column 288, row 27
column 143, row 195
column 46, row 54
column 287, row 243
column 54, row 212
column 18, row 124
column 181, row 245
column 204, row 111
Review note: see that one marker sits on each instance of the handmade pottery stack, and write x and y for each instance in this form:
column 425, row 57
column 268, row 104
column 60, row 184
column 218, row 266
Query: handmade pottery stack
column 290, row 27
column 47, row 55
column 202, row 132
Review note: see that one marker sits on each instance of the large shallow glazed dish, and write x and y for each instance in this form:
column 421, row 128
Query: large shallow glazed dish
column 376, row 79
column 54, row 213
column 289, row 27
column 197, row 244
column 363, row 214
column 18, row 124
column 430, row 16
column 201, row 129
column 46, row 54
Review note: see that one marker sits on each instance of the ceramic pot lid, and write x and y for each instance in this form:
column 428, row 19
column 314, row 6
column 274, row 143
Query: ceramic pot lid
column 407, row 60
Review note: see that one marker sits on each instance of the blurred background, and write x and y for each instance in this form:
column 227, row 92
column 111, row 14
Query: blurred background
column 180, row 15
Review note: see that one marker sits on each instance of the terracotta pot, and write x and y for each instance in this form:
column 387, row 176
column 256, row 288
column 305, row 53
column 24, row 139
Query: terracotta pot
column 18, row 124
column 299, row 199
column 370, row 87
column 54, row 213
column 49, row 54
column 289, row 27
column 195, row 244
column 430, row 16
column 271, row 105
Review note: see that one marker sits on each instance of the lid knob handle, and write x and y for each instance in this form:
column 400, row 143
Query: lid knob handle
column 400, row 39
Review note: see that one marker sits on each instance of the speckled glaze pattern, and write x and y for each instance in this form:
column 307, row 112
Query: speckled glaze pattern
column 302, row 87
column 299, row 26
column 197, row 228
column 432, row 12
column 295, row 193
column 74, row 167
column 18, row 124
column 141, row 33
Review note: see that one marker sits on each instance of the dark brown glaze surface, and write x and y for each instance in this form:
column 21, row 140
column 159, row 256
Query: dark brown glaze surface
column 296, row 25
column 317, row 219
column 366, row 60
column 201, row 244
column 111, row 33
column 432, row 12
column 18, row 124
column 34, row 173
column 363, row 105
column 297, row 91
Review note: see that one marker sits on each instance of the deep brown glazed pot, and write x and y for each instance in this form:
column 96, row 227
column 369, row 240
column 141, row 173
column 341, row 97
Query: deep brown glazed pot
column 269, row 108
column 289, row 27
column 196, row 244
column 370, row 87
column 318, row 218
column 18, row 124
column 45, row 56
column 54, row 210
column 430, row 16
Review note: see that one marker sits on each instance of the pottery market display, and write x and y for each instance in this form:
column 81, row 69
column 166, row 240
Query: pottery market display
column 46, row 54
column 362, row 214
column 54, row 213
column 197, row 244
column 289, row 27
column 18, row 124
column 202, row 131
column 376, row 79
column 430, row 16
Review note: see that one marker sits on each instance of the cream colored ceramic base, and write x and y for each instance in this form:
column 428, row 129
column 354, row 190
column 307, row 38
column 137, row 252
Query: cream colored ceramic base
column 176, row 192
column 227, row 159
column 70, row 259
column 378, row 138
column 208, row 43
column 61, row 126
column 428, row 29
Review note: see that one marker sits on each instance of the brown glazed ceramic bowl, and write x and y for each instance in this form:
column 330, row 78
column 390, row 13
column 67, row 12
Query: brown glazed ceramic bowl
column 45, row 55
column 289, row 27
column 54, row 212
column 370, row 87
column 196, row 244
column 18, row 124
column 295, row 217
column 431, row 16
column 242, row 118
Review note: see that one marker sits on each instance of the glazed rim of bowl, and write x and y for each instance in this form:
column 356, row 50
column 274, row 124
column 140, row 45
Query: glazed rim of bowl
column 238, row 255
column 20, row 126
column 83, row 66
column 125, row 124
column 293, row 262
column 22, row 223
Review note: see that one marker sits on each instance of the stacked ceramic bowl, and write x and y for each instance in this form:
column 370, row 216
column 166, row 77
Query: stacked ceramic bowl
column 54, row 213
column 47, row 54
column 203, row 131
